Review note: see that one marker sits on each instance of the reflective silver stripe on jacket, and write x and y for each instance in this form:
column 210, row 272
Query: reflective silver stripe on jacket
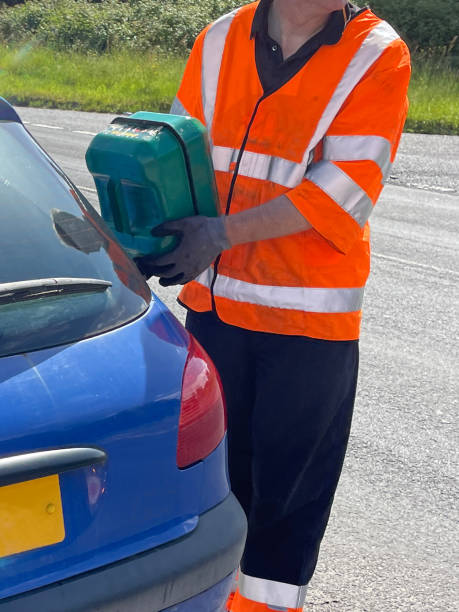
column 331, row 179
column 177, row 108
column 358, row 148
column 272, row 593
column 342, row 189
column 275, row 169
column 223, row 157
column 259, row 166
column 285, row 172
column 214, row 45
column 305, row 299
column 370, row 50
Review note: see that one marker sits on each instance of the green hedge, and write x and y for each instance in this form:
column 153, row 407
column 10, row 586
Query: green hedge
column 82, row 25
column 426, row 25
column 172, row 25
column 10, row 2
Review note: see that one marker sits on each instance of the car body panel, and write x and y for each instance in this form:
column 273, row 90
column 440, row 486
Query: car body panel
column 176, row 576
column 119, row 391
column 89, row 413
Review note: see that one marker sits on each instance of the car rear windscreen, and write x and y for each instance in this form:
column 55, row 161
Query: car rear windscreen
column 63, row 276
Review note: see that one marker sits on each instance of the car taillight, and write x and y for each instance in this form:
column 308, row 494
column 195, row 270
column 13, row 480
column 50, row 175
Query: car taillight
column 202, row 422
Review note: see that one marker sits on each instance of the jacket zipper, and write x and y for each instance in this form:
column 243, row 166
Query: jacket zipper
column 230, row 194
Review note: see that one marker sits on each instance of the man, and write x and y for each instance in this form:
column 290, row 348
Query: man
column 304, row 101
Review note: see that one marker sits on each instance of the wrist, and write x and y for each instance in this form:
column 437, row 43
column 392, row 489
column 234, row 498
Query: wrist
column 218, row 230
column 236, row 230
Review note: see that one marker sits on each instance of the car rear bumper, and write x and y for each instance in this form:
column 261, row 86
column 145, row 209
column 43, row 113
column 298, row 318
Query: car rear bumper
column 212, row 600
column 154, row 580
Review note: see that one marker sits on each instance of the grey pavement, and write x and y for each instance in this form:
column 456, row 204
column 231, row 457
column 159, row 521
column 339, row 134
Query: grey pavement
column 428, row 162
column 392, row 542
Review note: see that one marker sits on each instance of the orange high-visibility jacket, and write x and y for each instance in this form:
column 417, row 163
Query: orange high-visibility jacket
column 326, row 140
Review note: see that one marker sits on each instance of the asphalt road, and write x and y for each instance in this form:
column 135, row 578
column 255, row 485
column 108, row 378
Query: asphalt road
column 392, row 539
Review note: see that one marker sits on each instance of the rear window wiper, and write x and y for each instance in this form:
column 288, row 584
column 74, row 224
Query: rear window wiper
column 21, row 291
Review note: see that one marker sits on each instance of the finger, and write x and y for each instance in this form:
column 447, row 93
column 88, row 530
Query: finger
column 172, row 227
column 168, row 282
column 142, row 266
column 161, row 230
column 185, row 279
column 160, row 270
column 191, row 275
column 167, row 260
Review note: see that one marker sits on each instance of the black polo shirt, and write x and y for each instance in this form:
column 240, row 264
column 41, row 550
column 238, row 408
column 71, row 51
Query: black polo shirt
column 273, row 71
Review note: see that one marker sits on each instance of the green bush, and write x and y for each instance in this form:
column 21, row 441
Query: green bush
column 65, row 24
column 10, row 2
column 85, row 25
column 172, row 25
column 426, row 25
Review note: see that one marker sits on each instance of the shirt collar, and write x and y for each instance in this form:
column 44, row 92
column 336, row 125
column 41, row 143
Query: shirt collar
column 330, row 34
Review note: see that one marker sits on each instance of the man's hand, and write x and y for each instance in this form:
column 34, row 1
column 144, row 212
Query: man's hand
column 201, row 240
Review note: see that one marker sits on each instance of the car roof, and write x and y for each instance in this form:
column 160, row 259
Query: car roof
column 7, row 112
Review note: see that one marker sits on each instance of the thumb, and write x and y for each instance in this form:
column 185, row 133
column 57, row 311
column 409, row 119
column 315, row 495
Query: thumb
column 167, row 229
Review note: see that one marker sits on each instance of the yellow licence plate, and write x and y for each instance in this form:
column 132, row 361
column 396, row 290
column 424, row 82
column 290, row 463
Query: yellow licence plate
column 30, row 515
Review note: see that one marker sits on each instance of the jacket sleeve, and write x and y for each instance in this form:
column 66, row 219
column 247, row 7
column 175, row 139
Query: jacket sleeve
column 341, row 188
column 188, row 100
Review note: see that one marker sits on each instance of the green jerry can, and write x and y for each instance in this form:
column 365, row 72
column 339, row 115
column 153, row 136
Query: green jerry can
column 149, row 168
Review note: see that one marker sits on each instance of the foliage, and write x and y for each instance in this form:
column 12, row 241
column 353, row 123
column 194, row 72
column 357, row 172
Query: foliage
column 425, row 25
column 83, row 25
column 130, row 81
column 172, row 25
column 10, row 2
column 434, row 97
column 43, row 41
column 113, row 82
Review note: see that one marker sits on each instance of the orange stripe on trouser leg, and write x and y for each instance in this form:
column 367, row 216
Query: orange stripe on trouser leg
column 242, row 604
column 229, row 601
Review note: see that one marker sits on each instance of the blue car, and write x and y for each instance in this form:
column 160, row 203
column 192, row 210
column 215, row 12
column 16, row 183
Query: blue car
column 114, row 492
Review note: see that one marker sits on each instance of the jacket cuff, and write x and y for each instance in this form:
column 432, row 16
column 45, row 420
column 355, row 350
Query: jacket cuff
column 333, row 223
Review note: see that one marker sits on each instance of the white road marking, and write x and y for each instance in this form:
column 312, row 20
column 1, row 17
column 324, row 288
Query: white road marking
column 58, row 127
column 84, row 132
column 49, row 127
column 416, row 264
column 90, row 189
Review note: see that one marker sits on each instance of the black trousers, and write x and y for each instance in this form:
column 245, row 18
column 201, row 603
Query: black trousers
column 289, row 401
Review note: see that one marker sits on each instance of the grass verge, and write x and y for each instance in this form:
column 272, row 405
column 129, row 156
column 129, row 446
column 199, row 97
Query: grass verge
column 127, row 81
column 116, row 82
column 434, row 98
